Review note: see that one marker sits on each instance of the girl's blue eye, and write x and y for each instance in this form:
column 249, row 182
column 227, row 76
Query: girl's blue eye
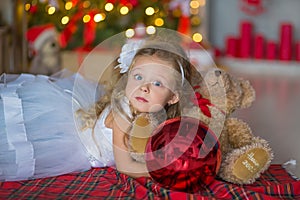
column 138, row 77
column 157, row 83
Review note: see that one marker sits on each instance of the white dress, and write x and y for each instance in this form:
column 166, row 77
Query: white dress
column 38, row 132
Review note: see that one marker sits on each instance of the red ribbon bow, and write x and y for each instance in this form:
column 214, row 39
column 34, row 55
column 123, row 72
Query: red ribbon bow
column 203, row 103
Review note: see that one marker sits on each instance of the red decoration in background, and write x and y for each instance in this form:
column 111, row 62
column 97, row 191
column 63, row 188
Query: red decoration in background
column 111, row 1
column 252, row 7
column 70, row 29
column 33, row 9
column 184, row 24
column 285, row 49
column 89, row 32
column 74, row 2
column 246, row 39
column 175, row 12
column 124, row 2
column 232, row 44
column 217, row 52
column 129, row 2
column 259, row 46
column 244, row 46
column 297, row 51
column 271, row 50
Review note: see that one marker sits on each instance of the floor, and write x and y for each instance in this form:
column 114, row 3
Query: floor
column 275, row 114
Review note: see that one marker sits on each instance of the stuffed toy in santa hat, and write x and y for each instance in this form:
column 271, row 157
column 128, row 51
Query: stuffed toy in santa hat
column 44, row 49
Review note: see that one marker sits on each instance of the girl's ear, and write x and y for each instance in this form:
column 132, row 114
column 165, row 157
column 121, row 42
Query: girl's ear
column 174, row 99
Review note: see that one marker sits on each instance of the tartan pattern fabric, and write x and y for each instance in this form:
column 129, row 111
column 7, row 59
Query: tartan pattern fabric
column 107, row 183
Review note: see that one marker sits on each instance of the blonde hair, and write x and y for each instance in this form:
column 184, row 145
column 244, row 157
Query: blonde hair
column 162, row 49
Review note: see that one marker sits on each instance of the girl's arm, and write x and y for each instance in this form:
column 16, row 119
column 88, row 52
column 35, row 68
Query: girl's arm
column 124, row 161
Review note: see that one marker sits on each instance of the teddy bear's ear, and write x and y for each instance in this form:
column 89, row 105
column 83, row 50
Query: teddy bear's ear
column 249, row 93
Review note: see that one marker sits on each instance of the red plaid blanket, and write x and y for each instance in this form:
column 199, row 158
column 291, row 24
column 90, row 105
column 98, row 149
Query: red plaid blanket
column 107, row 183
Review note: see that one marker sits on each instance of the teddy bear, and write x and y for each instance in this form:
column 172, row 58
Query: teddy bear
column 244, row 155
column 44, row 49
column 216, row 96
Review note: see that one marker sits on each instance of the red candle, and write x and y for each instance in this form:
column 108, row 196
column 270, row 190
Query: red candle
column 259, row 49
column 285, row 49
column 217, row 52
column 231, row 46
column 246, row 37
column 271, row 50
column 297, row 51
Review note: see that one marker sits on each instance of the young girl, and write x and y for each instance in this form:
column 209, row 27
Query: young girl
column 40, row 138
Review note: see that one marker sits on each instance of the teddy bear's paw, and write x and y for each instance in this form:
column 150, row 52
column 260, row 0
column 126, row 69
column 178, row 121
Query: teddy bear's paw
column 245, row 165
column 251, row 164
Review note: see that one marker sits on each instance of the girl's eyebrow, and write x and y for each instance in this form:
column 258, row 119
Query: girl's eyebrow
column 134, row 69
column 158, row 75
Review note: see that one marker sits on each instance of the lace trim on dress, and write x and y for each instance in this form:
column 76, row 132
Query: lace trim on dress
column 16, row 137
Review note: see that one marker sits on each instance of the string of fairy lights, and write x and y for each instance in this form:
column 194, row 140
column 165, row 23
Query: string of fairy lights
column 194, row 8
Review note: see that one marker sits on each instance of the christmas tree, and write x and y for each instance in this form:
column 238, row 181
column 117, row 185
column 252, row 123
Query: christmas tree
column 85, row 23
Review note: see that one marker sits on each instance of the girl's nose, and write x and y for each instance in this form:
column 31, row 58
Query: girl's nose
column 145, row 87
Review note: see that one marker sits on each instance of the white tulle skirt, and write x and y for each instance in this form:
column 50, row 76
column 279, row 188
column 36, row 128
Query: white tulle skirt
column 38, row 134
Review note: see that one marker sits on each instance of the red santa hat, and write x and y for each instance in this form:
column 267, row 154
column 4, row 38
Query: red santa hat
column 37, row 35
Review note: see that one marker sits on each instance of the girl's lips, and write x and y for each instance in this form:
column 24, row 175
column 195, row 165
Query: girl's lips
column 141, row 99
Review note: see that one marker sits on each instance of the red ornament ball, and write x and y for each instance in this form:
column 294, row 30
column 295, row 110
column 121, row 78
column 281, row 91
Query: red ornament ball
column 183, row 154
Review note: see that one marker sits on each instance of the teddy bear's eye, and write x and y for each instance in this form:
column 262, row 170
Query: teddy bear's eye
column 218, row 72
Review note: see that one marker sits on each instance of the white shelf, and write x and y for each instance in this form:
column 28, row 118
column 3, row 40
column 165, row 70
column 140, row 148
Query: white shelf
column 262, row 67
